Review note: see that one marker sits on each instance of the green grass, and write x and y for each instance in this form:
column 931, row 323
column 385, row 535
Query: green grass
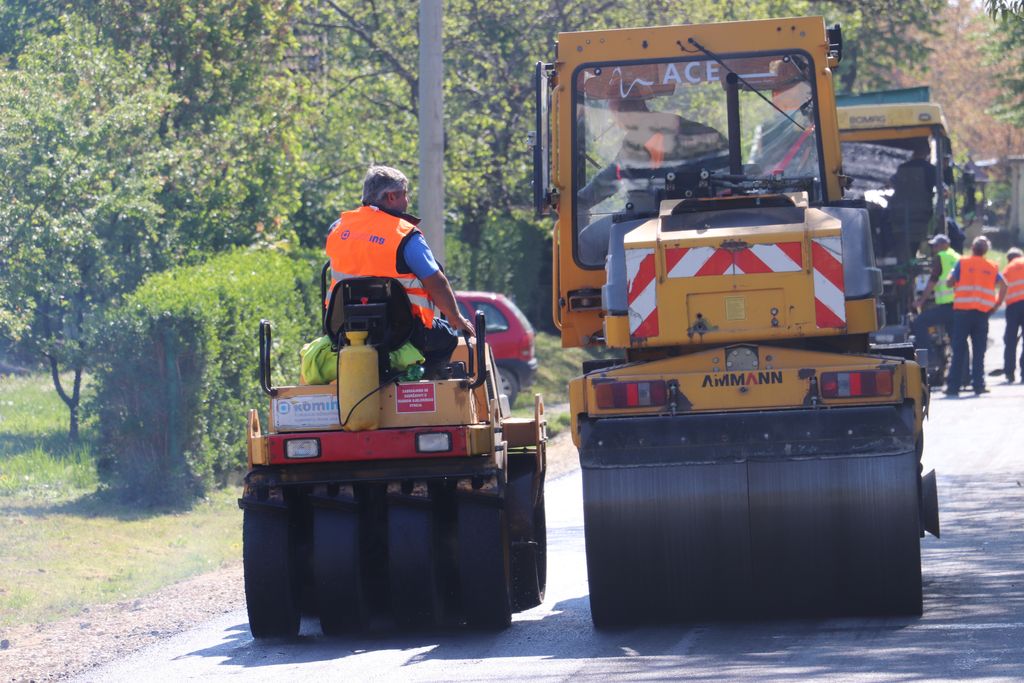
column 61, row 557
column 558, row 423
column 65, row 544
column 36, row 457
column 555, row 367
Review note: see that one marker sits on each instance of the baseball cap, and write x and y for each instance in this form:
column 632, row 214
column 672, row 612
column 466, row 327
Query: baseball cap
column 940, row 238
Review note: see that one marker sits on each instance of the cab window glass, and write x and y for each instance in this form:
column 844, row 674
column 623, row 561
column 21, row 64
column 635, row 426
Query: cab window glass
column 647, row 132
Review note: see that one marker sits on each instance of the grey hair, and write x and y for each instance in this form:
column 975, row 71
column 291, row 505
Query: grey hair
column 379, row 181
column 980, row 245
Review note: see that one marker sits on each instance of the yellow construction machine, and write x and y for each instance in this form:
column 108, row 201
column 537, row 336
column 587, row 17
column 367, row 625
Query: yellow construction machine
column 897, row 152
column 746, row 454
column 908, row 202
column 386, row 498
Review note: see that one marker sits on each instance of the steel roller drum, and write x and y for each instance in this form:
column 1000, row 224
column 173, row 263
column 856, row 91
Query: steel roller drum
column 764, row 514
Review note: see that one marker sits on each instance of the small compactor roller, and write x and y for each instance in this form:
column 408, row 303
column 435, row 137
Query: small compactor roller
column 747, row 453
column 378, row 502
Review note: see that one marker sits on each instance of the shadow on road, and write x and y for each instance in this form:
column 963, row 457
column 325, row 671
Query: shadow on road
column 972, row 626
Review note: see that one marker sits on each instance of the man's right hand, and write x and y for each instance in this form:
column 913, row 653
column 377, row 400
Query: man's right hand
column 463, row 325
column 918, row 304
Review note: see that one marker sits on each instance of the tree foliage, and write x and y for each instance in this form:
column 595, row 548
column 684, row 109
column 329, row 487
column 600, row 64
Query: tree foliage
column 136, row 135
column 239, row 117
column 81, row 176
column 969, row 83
column 140, row 134
column 1007, row 56
column 1000, row 9
column 175, row 371
column 882, row 38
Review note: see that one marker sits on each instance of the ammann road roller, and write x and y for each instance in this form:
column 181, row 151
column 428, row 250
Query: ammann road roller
column 385, row 501
column 747, row 453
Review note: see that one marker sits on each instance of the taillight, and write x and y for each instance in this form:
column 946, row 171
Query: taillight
column 527, row 352
column 612, row 394
column 856, row 383
column 302, row 448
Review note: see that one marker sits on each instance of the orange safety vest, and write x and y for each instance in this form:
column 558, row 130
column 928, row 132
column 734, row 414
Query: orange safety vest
column 1014, row 276
column 365, row 243
column 976, row 288
column 655, row 146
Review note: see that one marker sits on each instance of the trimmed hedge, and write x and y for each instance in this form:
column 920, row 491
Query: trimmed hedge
column 179, row 369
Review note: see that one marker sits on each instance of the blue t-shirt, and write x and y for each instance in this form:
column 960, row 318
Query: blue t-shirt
column 418, row 257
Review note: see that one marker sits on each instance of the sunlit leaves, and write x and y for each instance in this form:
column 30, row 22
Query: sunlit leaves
column 80, row 171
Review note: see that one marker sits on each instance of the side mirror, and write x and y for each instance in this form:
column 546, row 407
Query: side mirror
column 835, row 43
column 540, row 141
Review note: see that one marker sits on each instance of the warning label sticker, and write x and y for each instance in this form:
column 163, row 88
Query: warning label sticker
column 415, row 398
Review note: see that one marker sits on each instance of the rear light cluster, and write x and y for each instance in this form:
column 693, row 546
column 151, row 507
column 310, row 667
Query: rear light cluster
column 526, row 353
column 434, row 442
column 856, row 383
column 612, row 394
column 299, row 449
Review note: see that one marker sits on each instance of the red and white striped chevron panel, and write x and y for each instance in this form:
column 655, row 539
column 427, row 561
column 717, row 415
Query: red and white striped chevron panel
column 782, row 257
column 641, row 298
column 829, row 292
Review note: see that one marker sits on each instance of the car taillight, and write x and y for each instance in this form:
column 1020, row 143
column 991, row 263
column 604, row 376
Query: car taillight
column 612, row 394
column 856, row 383
column 527, row 352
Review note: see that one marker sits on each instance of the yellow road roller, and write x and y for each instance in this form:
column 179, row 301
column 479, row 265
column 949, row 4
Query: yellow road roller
column 745, row 453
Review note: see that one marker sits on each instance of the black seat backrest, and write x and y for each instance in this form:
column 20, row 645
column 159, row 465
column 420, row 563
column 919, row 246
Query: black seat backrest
column 911, row 205
column 911, row 193
column 378, row 305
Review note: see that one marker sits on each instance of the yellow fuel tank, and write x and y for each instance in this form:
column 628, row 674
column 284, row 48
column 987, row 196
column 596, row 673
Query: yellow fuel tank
column 358, row 402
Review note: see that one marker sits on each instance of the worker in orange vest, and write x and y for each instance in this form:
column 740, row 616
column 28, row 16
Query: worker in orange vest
column 1013, row 274
column 380, row 240
column 975, row 280
column 651, row 141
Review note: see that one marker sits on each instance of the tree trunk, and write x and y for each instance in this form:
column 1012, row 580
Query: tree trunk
column 72, row 401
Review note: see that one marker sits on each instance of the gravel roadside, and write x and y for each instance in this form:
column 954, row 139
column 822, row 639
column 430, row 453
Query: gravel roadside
column 102, row 633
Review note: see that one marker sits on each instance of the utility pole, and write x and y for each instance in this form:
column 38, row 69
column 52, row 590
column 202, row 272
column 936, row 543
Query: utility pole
column 431, row 119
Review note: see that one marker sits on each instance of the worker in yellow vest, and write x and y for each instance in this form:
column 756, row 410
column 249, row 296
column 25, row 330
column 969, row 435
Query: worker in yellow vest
column 975, row 281
column 380, row 240
column 1013, row 274
column 943, row 261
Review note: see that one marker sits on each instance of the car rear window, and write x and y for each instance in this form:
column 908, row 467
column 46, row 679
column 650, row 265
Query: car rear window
column 520, row 316
column 496, row 320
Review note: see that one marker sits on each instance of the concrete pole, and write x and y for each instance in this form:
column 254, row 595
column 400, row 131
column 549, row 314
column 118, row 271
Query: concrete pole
column 1016, row 217
column 431, row 118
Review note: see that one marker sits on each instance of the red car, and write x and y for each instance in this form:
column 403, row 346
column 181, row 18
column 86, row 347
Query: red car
column 510, row 335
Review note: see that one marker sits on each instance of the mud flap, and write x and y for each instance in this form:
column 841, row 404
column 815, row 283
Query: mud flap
column 777, row 513
column 930, row 504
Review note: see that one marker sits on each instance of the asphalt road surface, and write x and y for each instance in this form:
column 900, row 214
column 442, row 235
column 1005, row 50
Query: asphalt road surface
column 972, row 628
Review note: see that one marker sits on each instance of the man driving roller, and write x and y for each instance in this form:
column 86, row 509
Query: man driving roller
column 651, row 140
column 380, row 240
